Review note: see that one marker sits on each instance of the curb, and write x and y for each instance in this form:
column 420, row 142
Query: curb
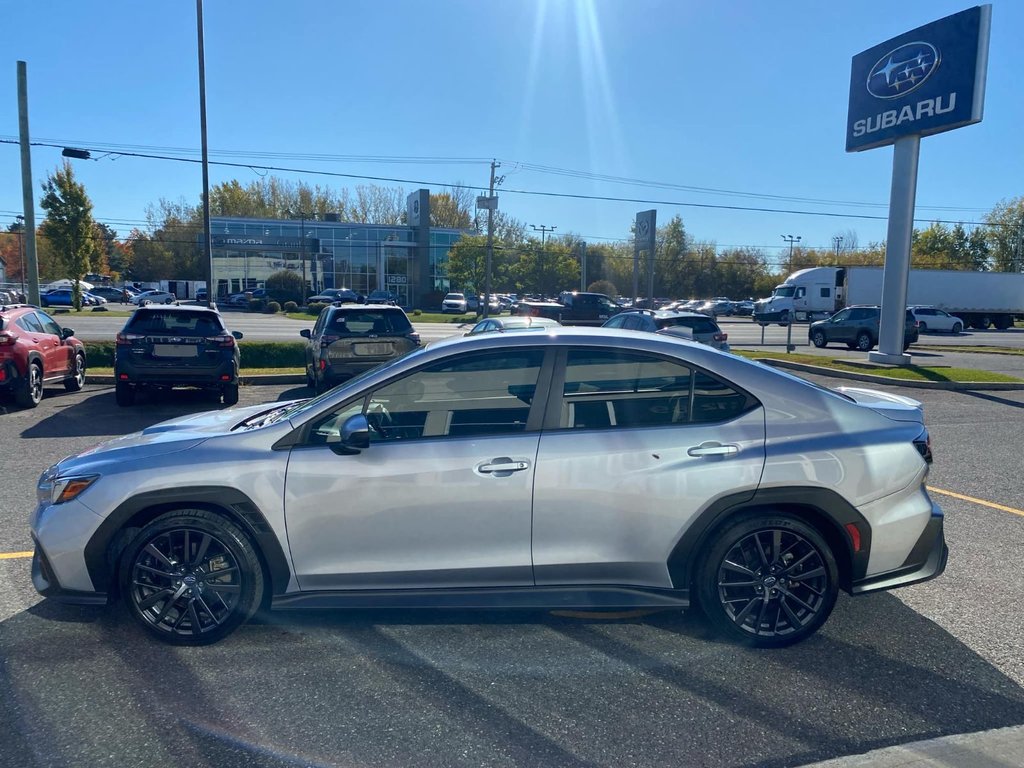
column 947, row 385
column 999, row 747
column 270, row 378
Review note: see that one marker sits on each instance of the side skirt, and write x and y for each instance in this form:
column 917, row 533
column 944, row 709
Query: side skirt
column 485, row 598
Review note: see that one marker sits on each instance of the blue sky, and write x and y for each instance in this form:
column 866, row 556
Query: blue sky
column 748, row 97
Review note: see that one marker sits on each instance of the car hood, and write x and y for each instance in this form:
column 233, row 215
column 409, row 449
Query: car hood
column 895, row 407
column 170, row 436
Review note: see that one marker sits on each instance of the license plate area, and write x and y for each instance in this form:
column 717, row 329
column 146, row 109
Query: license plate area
column 175, row 350
column 372, row 349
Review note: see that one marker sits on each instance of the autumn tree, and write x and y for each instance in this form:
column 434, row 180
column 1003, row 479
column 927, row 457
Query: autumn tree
column 68, row 224
column 452, row 208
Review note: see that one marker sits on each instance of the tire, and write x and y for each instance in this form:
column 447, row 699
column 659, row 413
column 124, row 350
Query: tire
column 77, row 379
column 864, row 342
column 751, row 603
column 818, row 339
column 124, row 393
column 30, row 390
column 784, row 319
column 982, row 322
column 1002, row 322
column 168, row 301
column 231, row 393
column 168, row 584
column 957, row 329
column 922, row 327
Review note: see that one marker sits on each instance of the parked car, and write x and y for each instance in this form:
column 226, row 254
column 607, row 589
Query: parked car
column 857, row 327
column 459, row 303
column 716, row 308
column 382, row 297
column 502, row 324
column 34, row 351
column 934, row 319
column 153, row 297
column 350, row 338
column 743, row 308
column 331, row 295
column 93, row 299
column 109, row 293
column 691, row 325
column 179, row 346
column 457, row 474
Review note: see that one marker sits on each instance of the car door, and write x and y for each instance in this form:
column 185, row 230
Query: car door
column 841, row 327
column 56, row 354
column 635, row 447
column 442, row 497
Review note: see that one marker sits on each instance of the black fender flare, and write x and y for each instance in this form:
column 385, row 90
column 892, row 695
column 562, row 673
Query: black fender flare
column 109, row 540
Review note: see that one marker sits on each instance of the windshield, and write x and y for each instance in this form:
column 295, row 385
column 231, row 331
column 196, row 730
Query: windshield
column 784, row 291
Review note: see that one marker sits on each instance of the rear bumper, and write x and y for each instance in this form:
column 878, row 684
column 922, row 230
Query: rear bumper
column 10, row 376
column 926, row 561
column 176, row 374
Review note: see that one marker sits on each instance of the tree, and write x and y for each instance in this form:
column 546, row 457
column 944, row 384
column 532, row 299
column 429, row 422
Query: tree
column 605, row 287
column 546, row 269
column 285, row 285
column 151, row 259
column 452, row 208
column 467, row 262
column 378, row 205
column 68, row 224
column 1005, row 235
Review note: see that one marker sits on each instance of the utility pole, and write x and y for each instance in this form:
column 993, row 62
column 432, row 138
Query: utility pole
column 488, row 266
column 543, row 229
column 207, row 234
column 583, row 266
column 837, row 241
column 28, row 199
column 790, row 239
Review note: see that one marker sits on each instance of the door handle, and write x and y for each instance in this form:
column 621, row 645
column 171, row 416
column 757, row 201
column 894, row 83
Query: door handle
column 713, row 449
column 503, row 466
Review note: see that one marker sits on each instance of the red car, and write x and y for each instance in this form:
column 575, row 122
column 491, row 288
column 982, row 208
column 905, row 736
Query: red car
column 34, row 351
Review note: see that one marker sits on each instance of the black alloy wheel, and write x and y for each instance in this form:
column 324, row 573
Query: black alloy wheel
column 769, row 581
column 191, row 578
column 30, row 391
column 77, row 379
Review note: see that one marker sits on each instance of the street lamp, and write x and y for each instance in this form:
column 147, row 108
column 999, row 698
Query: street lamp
column 21, row 250
column 790, row 239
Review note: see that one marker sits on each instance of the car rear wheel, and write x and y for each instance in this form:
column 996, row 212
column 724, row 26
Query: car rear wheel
column 124, row 393
column 864, row 342
column 957, row 329
column 922, row 327
column 30, row 391
column 768, row 580
column 168, row 300
column 191, row 577
column 818, row 339
column 231, row 393
column 77, row 379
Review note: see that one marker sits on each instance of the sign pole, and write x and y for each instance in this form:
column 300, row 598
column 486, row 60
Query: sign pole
column 897, row 252
column 28, row 201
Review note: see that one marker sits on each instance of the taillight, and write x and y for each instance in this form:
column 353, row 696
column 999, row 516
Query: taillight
column 124, row 339
column 721, row 336
column 414, row 338
column 6, row 339
column 923, row 443
column 222, row 340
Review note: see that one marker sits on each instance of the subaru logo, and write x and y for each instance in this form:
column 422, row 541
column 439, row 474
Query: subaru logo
column 902, row 70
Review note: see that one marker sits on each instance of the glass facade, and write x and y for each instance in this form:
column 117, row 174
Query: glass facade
column 363, row 257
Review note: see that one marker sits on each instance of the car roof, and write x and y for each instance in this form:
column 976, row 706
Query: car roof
column 177, row 308
column 373, row 307
column 665, row 313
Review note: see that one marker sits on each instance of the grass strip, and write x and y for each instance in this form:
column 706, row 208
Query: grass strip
column 901, row 373
column 971, row 350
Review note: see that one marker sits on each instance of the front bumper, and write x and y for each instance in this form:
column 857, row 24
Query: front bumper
column 926, row 561
column 60, row 533
column 44, row 579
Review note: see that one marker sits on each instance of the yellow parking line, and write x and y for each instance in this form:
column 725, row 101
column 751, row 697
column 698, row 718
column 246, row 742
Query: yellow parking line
column 14, row 555
column 982, row 502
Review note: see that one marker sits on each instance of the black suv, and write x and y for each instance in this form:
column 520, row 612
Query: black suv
column 180, row 346
column 350, row 338
column 857, row 327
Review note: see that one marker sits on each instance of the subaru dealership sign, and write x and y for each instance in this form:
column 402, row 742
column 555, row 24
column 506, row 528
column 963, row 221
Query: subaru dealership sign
column 925, row 81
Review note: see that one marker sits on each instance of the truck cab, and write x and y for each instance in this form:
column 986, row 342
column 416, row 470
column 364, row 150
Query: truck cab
column 807, row 294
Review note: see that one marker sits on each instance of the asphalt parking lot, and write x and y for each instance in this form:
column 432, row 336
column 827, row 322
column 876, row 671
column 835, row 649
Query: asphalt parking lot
column 82, row 687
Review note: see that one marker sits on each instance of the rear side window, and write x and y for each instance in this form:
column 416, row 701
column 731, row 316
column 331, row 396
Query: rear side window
column 364, row 323
column 182, row 323
column 696, row 324
column 29, row 323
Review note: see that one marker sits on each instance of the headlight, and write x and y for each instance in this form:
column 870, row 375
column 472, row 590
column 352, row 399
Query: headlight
column 61, row 489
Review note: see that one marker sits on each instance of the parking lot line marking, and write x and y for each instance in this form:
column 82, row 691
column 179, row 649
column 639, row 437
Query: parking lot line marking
column 973, row 500
column 14, row 555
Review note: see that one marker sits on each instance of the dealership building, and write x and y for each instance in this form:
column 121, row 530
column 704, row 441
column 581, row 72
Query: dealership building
column 408, row 259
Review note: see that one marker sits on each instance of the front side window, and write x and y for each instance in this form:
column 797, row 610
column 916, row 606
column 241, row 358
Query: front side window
column 48, row 324
column 29, row 323
column 614, row 389
column 842, row 316
column 469, row 395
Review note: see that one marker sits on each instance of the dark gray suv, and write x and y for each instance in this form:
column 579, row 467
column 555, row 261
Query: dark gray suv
column 857, row 327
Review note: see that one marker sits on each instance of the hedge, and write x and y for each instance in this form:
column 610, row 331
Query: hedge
column 254, row 354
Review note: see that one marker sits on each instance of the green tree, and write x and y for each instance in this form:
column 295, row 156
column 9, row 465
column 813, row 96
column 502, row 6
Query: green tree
column 605, row 287
column 1005, row 235
column 547, row 269
column 467, row 262
column 285, row 285
column 151, row 259
column 68, row 224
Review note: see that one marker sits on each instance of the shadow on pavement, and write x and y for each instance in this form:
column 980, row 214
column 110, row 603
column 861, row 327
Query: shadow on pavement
column 994, row 398
column 390, row 688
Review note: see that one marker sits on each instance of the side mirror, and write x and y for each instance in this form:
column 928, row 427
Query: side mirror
column 306, row 333
column 355, row 432
column 237, row 334
column 66, row 333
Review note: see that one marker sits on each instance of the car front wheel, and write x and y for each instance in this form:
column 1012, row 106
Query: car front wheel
column 818, row 339
column 864, row 342
column 957, row 329
column 768, row 580
column 191, row 577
